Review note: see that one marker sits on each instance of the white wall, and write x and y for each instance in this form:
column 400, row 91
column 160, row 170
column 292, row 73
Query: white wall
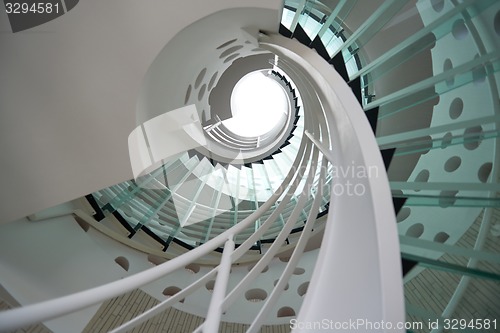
column 68, row 95
column 51, row 258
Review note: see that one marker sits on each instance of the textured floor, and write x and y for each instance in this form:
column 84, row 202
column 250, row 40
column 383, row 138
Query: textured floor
column 431, row 290
column 30, row 329
column 110, row 315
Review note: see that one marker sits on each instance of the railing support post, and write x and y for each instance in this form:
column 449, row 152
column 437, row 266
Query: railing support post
column 215, row 310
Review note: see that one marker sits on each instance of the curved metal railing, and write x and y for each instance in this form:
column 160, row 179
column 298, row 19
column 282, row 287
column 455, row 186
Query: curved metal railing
column 330, row 122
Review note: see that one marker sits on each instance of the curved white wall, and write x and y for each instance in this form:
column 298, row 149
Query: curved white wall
column 69, row 92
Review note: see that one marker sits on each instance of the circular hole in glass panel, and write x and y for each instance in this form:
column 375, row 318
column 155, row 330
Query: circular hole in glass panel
column 212, row 80
column 200, row 77
column 302, row 289
column 231, row 57
column 452, row 164
column 123, row 263
column 441, row 237
column 415, row 230
column 210, row 285
column 403, row 214
column 446, row 141
column 188, row 94
column 258, row 105
column 230, row 50
column 478, row 73
column 496, row 23
column 424, row 145
column 286, row 311
column 192, row 268
column 484, row 172
column 459, row 30
column 229, row 42
column 423, row 176
column 473, row 136
column 256, row 295
column 201, row 93
column 437, row 5
column 447, row 66
column 456, row 108
column 171, row 291
column 299, row 271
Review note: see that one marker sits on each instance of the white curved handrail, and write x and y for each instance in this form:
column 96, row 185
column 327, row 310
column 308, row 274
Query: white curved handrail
column 42, row 311
column 192, row 287
column 292, row 263
column 246, row 245
column 46, row 310
column 350, row 281
column 336, row 289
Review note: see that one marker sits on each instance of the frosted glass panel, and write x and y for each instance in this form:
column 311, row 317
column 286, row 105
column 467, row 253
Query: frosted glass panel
column 138, row 152
column 287, row 18
column 164, row 137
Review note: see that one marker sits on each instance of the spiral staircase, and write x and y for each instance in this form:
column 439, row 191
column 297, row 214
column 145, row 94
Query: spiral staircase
column 381, row 176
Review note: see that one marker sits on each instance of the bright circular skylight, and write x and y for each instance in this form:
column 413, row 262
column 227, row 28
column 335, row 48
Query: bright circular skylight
column 258, row 104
